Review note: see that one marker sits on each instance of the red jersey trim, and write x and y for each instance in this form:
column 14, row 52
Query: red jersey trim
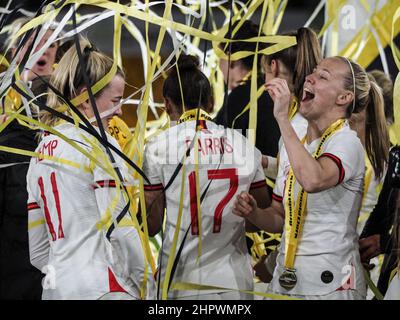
column 153, row 187
column 104, row 184
column 276, row 197
column 33, row 206
column 258, row 184
column 338, row 162
column 113, row 283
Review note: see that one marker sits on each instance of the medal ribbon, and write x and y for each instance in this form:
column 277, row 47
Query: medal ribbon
column 191, row 115
column 295, row 212
column 293, row 108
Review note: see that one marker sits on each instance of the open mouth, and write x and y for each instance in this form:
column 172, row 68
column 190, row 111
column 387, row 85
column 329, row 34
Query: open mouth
column 41, row 63
column 307, row 95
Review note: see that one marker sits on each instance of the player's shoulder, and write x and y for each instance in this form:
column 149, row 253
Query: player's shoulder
column 70, row 139
column 347, row 138
column 299, row 124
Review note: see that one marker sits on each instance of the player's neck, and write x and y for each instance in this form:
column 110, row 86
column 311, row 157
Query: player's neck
column 174, row 116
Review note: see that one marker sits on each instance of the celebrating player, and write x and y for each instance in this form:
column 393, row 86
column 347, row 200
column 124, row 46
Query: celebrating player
column 321, row 184
column 211, row 247
column 75, row 196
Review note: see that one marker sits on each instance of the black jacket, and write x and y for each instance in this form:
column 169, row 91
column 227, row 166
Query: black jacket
column 380, row 220
column 268, row 134
column 18, row 278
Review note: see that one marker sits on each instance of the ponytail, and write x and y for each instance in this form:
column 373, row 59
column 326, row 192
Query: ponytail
column 308, row 56
column 377, row 141
column 368, row 97
column 300, row 59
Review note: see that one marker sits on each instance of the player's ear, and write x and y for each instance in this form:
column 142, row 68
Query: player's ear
column 81, row 91
column 168, row 106
column 275, row 67
column 210, row 106
column 85, row 107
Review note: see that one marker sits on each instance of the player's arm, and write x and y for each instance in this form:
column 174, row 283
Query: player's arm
column 314, row 175
column 263, row 199
column 270, row 166
column 112, row 199
column 258, row 189
column 153, row 191
column 270, row 219
column 39, row 246
column 155, row 206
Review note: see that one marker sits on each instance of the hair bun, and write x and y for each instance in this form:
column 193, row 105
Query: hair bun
column 188, row 62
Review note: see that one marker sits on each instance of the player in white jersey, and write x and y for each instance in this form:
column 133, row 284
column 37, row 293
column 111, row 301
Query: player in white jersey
column 289, row 64
column 75, row 197
column 228, row 164
column 318, row 195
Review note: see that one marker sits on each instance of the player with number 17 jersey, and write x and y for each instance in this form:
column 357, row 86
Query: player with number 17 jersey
column 228, row 165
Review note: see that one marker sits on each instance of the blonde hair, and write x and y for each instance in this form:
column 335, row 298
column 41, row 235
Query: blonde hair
column 15, row 26
column 68, row 77
column 386, row 85
column 368, row 96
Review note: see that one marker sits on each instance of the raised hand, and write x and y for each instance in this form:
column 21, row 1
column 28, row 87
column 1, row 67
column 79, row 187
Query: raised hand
column 279, row 91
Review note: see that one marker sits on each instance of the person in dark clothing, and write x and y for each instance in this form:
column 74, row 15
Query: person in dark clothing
column 239, row 86
column 19, row 280
column 376, row 237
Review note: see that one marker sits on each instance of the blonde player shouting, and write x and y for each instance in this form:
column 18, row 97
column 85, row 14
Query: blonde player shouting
column 321, row 184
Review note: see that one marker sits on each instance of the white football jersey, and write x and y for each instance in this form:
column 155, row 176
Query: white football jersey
column 228, row 165
column 68, row 209
column 299, row 124
column 327, row 257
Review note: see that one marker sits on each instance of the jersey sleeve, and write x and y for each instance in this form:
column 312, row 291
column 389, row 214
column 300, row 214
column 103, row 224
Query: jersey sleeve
column 279, row 188
column 108, row 183
column 259, row 180
column 39, row 246
column 346, row 151
column 118, row 223
column 151, row 168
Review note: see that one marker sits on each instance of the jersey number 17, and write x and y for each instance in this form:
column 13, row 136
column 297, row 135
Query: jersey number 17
column 217, row 174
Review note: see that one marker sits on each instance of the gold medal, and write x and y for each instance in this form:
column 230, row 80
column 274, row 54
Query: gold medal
column 288, row 279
